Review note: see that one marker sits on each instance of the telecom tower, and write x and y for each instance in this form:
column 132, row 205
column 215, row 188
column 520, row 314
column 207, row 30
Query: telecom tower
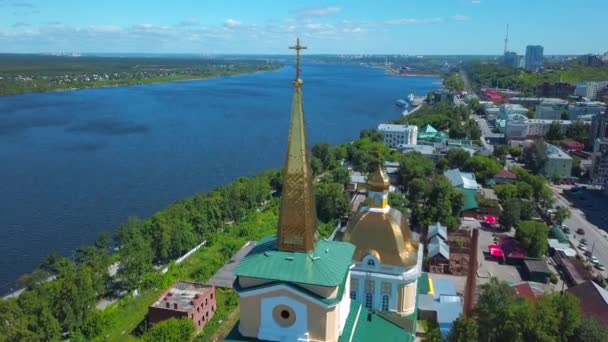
column 506, row 39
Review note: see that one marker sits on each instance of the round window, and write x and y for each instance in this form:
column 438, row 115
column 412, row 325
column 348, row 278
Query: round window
column 284, row 315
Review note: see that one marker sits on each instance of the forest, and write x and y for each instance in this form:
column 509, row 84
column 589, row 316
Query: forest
column 42, row 73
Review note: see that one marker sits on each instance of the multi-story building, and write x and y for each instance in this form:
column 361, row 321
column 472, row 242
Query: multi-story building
column 585, row 108
column 589, row 89
column 538, row 127
column 599, row 164
column 560, row 90
column 395, row 135
column 183, row 299
column 599, row 127
column 516, row 127
column 511, row 59
column 550, row 109
column 534, row 57
column 558, row 163
column 509, row 109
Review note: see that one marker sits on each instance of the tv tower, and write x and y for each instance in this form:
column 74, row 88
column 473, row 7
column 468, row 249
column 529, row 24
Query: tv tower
column 506, row 39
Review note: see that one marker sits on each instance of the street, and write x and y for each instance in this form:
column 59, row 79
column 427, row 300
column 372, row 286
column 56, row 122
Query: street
column 596, row 238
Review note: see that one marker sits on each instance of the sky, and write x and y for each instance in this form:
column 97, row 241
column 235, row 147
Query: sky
column 414, row 27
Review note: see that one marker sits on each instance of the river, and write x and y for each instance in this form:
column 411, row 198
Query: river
column 75, row 163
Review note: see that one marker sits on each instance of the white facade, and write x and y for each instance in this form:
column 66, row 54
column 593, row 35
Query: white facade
column 517, row 128
column 538, row 127
column 510, row 109
column 395, row 135
column 589, row 89
column 558, row 164
column 377, row 286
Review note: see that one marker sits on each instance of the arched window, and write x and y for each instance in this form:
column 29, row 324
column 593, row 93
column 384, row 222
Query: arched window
column 353, row 295
column 377, row 200
column 371, row 262
column 385, row 303
column 369, row 300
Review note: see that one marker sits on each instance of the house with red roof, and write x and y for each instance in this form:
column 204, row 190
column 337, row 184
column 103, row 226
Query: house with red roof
column 593, row 299
column 505, row 177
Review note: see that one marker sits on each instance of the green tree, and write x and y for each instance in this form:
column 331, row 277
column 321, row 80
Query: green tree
column 372, row 134
column 533, row 236
column 464, row 330
column 171, row 330
column 454, row 82
column 511, row 212
column 578, row 131
column 397, row 200
column 491, row 309
column 136, row 260
column 591, row 330
column 414, row 165
column 515, row 151
column 524, row 190
column 506, row 191
column 322, row 150
column 500, row 153
column 561, row 214
column 554, row 133
column 340, row 175
column 484, row 167
column 535, row 156
column 331, row 201
column 316, row 165
column 576, row 167
column 457, row 158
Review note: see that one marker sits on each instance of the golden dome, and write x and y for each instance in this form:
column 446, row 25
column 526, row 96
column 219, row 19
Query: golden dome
column 378, row 181
column 385, row 233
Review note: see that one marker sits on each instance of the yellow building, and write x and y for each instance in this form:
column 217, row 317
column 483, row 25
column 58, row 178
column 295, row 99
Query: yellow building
column 387, row 260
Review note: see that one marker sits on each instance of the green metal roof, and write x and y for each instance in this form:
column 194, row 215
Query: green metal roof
column 326, row 265
column 423, row 283
column 470, row 202
column 557, row 233
column 428, row 129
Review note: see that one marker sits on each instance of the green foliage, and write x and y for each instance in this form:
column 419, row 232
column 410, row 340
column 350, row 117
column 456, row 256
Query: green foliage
column 434, row 200
column 515, row 151
column 366, row 154
column 171, row 330
column 484, row 167
column 454, row 82
column 561, row 214
column 511, row 212
column 505, row 192
column 38, row 73
column 414, row 165
column 554, row 133
column 591, row 330
column 372, row 134
column 578, row 131
column 500, row 152
column 533, row 236
column 340, row 175
column 535, row 156
column 464, row 330
column 322, row 151
column 397, row 200
column 457, row 158
column 331, row 200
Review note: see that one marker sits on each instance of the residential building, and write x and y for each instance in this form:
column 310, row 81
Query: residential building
column 599, row 127
column 558, row 163
column 516, row 127
column 599, row 164
column 442, row 96
column 589, row 89
column 443, row 305
column 394, row 135
column 438, row 250
column 538, row 128
column 534, row 57
column 585, row 108
column 571, row 146
column 505, row 177
column 593, row 300
column 602, row 94
column 183, row 299
column 560, row 90
column 530, row 102
column 509, row 108
column 550, row 109
column 511, row 59
column 536, row 270
column 467, row 184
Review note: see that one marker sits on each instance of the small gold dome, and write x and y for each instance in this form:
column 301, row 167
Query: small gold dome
column 378, row 180
column 388, row 234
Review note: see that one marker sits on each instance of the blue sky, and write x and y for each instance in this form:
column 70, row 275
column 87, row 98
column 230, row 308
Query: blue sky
column 264, row 26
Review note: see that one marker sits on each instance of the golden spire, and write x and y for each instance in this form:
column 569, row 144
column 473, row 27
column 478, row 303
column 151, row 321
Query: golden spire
column 378, row 180
column 297, row 218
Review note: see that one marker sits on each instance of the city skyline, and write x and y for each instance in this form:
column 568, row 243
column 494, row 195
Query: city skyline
column 265, row 27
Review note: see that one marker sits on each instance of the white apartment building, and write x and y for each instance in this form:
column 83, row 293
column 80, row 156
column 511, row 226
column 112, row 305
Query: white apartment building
column 539, row 127
column 589, row 89
column 395, row 135
column 516, row 127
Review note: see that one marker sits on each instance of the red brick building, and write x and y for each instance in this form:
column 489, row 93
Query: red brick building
column 185, row 300
column 570, row 145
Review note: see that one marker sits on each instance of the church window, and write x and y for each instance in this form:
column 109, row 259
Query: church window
column 353, row 295
column 385, row 303
column 369, row 298
column 386, row 287
column 371, row 262
column 284, row 315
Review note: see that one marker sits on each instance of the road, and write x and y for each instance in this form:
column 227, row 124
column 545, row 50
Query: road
column 593, row 234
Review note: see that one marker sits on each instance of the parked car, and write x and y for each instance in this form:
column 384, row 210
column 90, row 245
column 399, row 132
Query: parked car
column 582, row 247
column 594, row 260
column 587, row 254
column 584, row 241
column 580, row 231
column 600, row 267
column 566, row 230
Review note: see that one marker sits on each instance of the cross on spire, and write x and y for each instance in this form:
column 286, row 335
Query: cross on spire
column 297, row 47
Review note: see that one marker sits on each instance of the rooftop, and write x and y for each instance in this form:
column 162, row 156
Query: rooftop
column 554, row 152
column 437, row 229
column 465, row 180
column 594, row 300
column 438, row 246
column 505, row 174
column 537, row 266
column 182, row 296
column 395, row 128
column 326, row 265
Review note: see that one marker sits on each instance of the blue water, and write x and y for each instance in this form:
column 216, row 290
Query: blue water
column 73, row 164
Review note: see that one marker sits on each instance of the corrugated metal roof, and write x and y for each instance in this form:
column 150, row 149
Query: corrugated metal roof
column 437, row 229
column 438, row 246
column 470, row 200
column 325, row 266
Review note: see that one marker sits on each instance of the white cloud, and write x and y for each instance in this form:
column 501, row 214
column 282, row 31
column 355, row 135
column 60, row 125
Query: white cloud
column 413, row 21
column 318, row 11
column 460, row 17
column 231, row 23
column 189, row 22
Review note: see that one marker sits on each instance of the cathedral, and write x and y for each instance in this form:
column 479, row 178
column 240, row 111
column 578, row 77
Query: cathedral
column 297, row 287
